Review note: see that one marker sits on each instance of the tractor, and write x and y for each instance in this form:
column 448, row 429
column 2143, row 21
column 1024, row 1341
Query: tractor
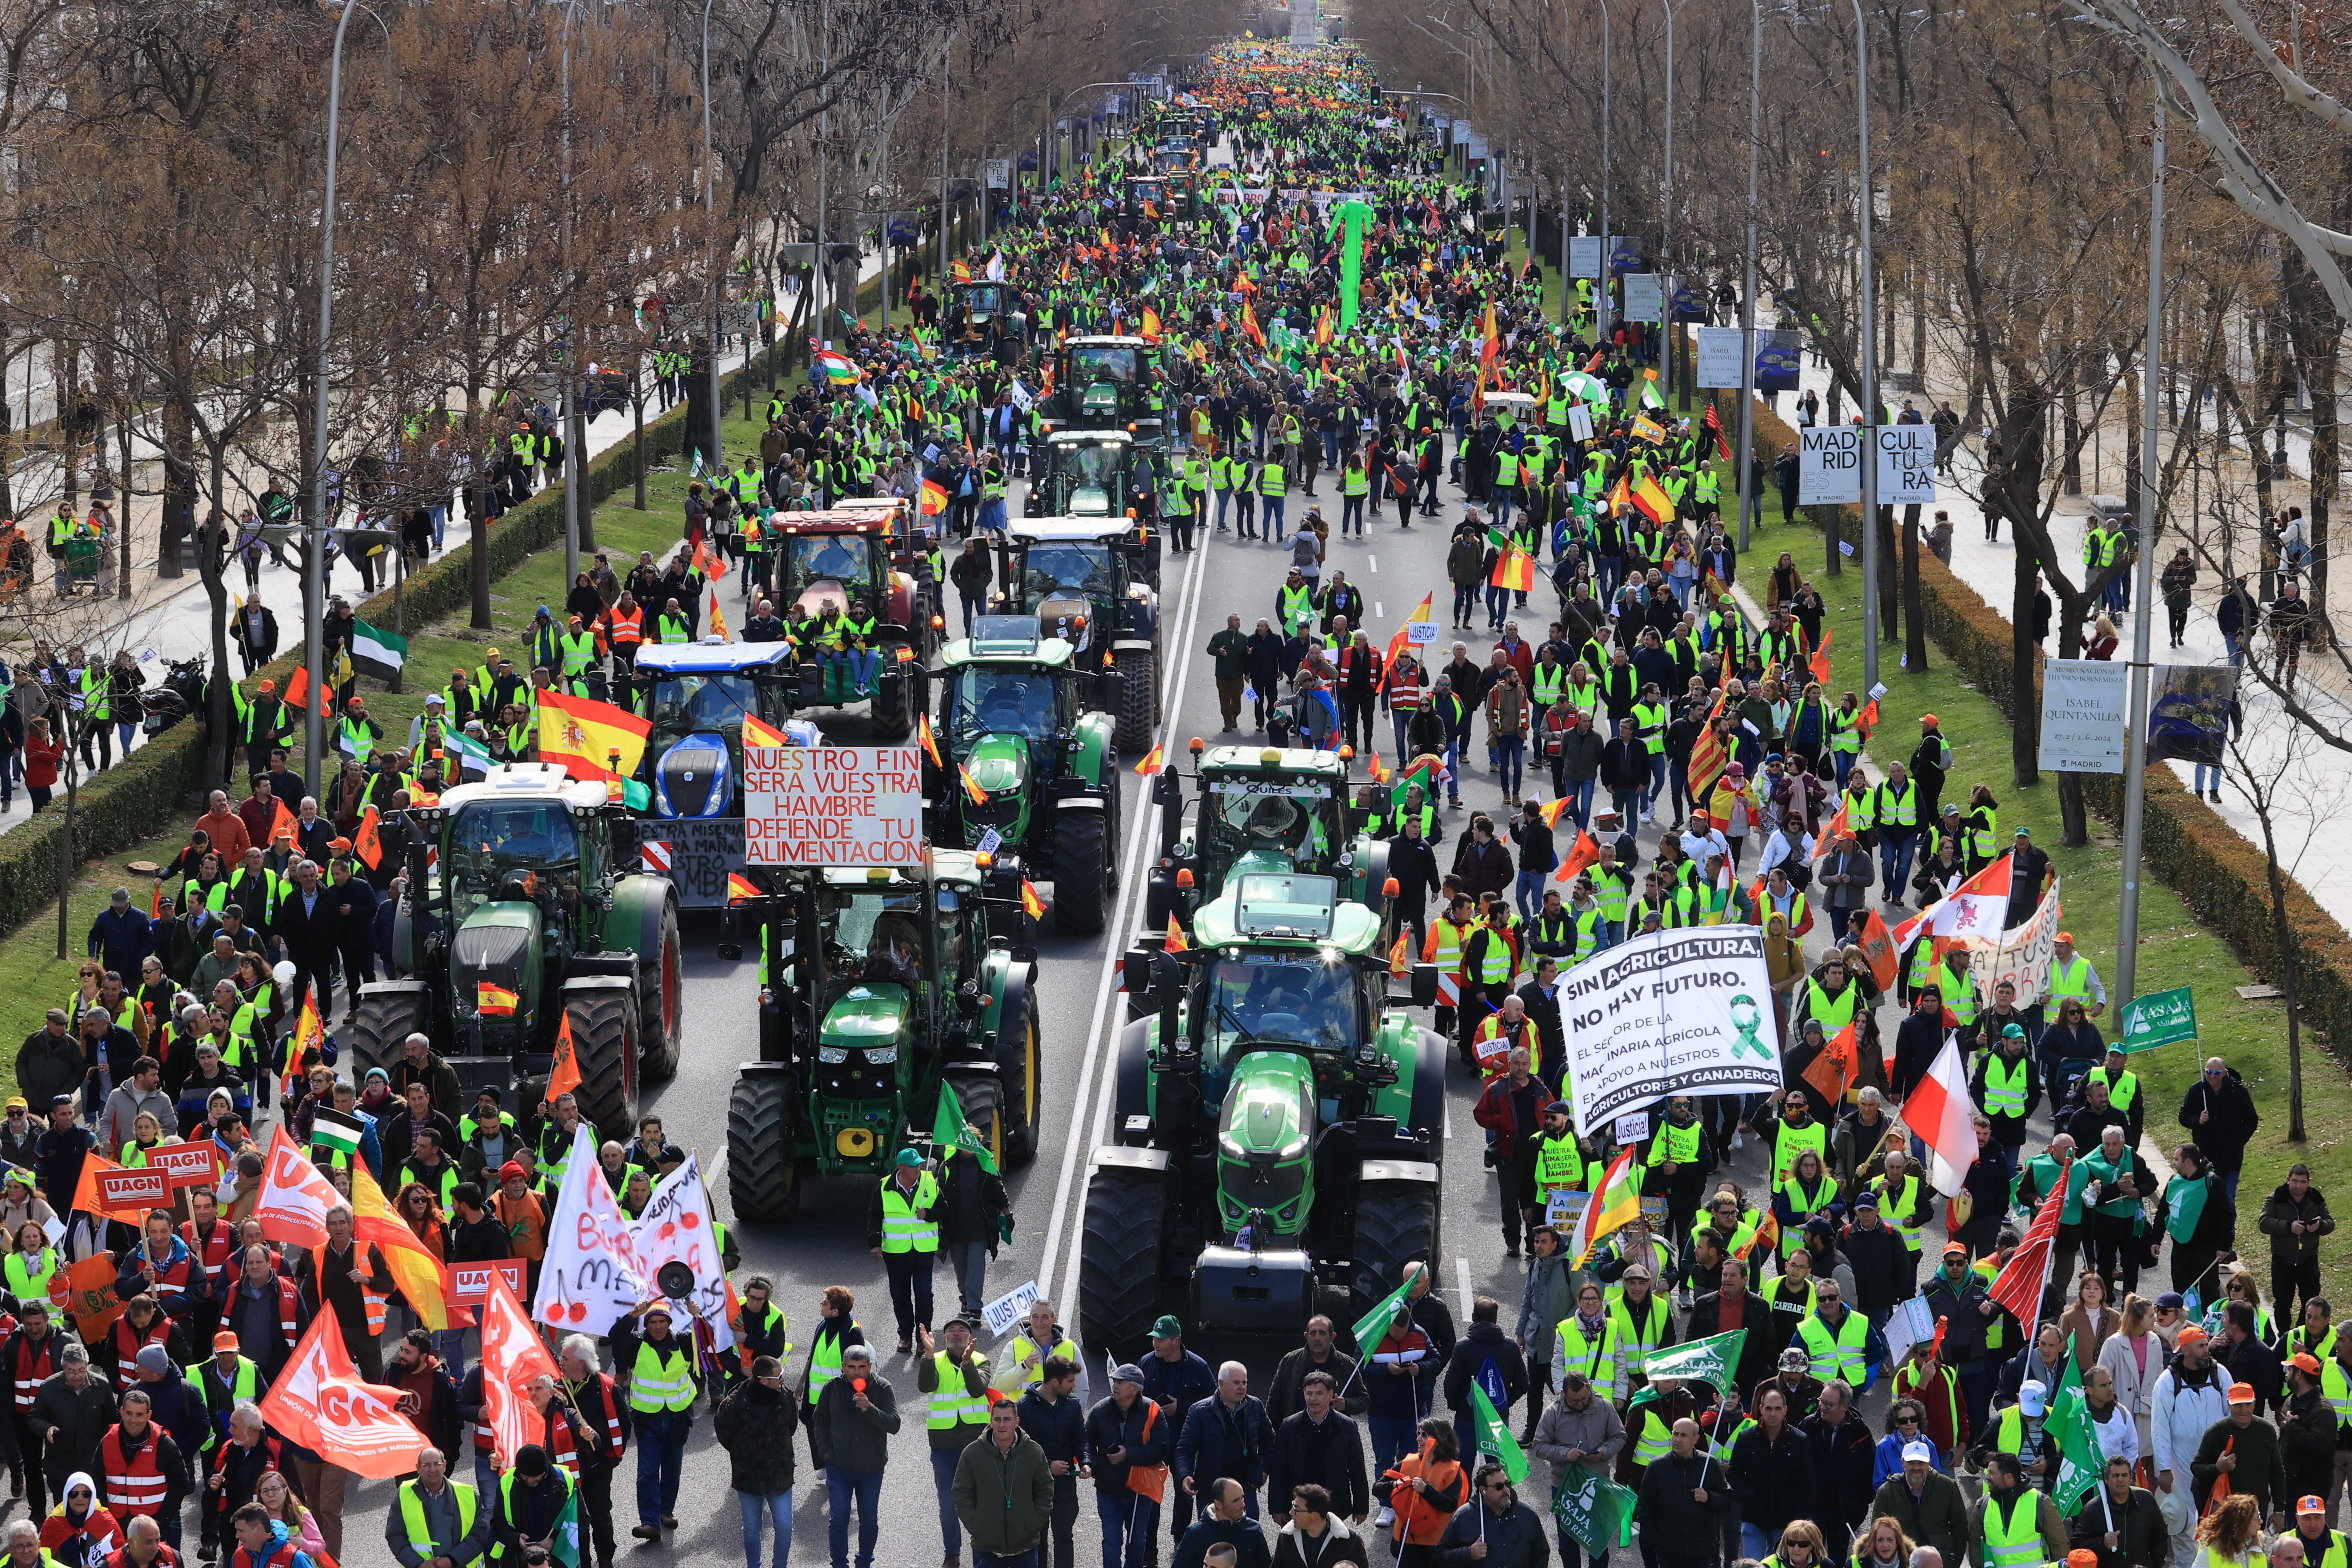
column 1277, row 1124
column 525, row 907
column 1028, row 776
column 845, row 558
column 1087, row 473
column 875, row 985
column 1077, row 577
column 1107, row 384
column 1258, row 809
column 985, row 320
column 696, row 696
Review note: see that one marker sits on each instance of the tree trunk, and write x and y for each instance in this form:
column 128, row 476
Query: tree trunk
column 479, row 534
column 1890, row 624
column 212, row 561
column 1829, row 520
column 1914, row 629
column 2286, row 966
column 637, row 407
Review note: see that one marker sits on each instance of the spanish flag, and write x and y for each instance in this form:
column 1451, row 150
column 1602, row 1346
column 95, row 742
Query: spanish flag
column 934, row 499
column 1516, row 570
column 1250, row 326
column 1552, row 810
column 1150, row 334
column 496, row 1001
column 423, row 1279
column 978, row 796
column 1653, row 502
column 739, row 887
column 1175, row 942
column 1401, row 956
column 718, row 618
column 1153, row 761
column 1613, row 1208
column 930, row 745
column 758, row 732
column 1031, row 904
column 581, row 734
column 1424, row 613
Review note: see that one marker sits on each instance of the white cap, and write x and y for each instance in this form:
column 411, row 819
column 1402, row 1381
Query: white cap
column 1919, row 1451
column 2032, row 1398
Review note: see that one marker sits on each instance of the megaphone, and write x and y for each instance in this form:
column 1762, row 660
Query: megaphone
column 675, row 1280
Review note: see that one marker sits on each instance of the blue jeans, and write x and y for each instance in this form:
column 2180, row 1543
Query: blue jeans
column 1510, row 763
column 1528, row 893
column 778, row 1507
column 440, row 515
column 840, row 1486
column 1392, row 1437
column 1894, row 861
column 1579, row 796
column 1351, row 513
column 1657, row 782
column 1403, row 721
column 1004, row 1559
column 1498, row 605
column 1128, row 1521
column 661, row 1461
column 1273, row 506
column 971, row 1261
column 1503, row 494
column 1843, row 762
column 1465, row 599
column 2229, row 1184
column 2209, row 771
column 944, row 1469
column 2237, row 646
column 1330, row 449
column 126, row 732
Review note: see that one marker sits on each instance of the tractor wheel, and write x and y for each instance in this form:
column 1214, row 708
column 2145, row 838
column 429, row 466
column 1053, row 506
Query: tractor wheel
column 1396, row 1224
column 1136, row 706
column 982, row 1098
column 1081, row 869
column 660, row 985
column 604, row 1039
column 1119, row 1259
column 1429, row 1059
column 378, row 1034
column 1020, row 1052
column 893, row 716
column 763, row 1176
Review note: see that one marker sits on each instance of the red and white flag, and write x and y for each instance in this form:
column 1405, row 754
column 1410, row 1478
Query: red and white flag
column 1977, row 907
column 2027, row 1275
column 319, row 1402
column 1938, row 1115
column 513, row 1355
column 295, row 1196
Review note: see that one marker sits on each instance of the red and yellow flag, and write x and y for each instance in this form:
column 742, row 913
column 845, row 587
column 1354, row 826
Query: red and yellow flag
column 1153, row 761
column 718, row 618
column 739, row 887
column 1401, row 956
column 758, row 732
column 1514, row 568
column 309, row 1036
column 1653, row 502
column 1552, row 811
column 496, row 1001
column 923, row 734
column 1032, row 904
column 582, row 734
column 1150, row 334
column 1175, row 942
column 971, row 789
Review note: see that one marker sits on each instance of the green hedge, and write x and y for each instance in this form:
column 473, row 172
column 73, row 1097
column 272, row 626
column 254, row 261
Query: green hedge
column 164, row 779
column 2221, row 877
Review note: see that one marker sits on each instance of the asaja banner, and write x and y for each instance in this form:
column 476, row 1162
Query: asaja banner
column 1675, row 1012
column 2159, row 1018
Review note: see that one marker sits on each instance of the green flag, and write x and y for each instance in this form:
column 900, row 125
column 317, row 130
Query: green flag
column 2071, row 1436
column 1711, row 1360
column 1597, row 1512
column 1375, row 1323
column 1495, row 1436
column 949, row 1128
column 563, row 1539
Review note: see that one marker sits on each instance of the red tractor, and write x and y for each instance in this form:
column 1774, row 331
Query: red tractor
column 845, row 558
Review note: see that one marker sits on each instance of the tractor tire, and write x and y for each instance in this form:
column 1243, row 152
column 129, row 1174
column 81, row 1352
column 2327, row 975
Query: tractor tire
column 1429, row 1059
column 604, row 1040
column 982, row 1098
column 1133, row 734
column 379, row 1033
column 1020, row 1056
column 661, row 986
column 1396, row 1224
column 1081, row 870
column 1120, row 1247
column 893, row 716
column 763, row 1176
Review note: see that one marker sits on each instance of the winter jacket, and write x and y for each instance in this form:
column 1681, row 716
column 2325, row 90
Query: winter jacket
column 1686, row 1532
column 2279, row 1216
column 2138, row 1525
column 1514, row 1539
column 1937, row 1517
column 856, row 1440
column 1177, row 1385
column 1059, row 1425
column 2261, row 1470
column 2219, row 1120
column 1841, row 1466
column 1220, row 1440
column 1282, row 1396
column 2307, row 1428
column 1550, row 1296
column 1329, row 1452
column 1596, row 1431
column 1774, row 1481
column 1004, row 1499
column 81, row 1417
column 755, row 1425
column 1248, row 1539
column 1481, row 1343
column 1109, row 1427
column 1341, row 1544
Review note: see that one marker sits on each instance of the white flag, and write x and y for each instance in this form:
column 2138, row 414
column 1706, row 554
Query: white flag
column 591, row 1277
column 676, row 1228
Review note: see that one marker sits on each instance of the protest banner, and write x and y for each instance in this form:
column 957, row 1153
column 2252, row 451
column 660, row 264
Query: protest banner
column 590, row 1278
column 676, row 1228
column 319, row 1401
column 2158, row 1018
column 135, row 1191
column 295, row 1196
column 2021, row 955
column 512, row 1356
column 469, row 1283
column 832, row 805
column 185, row 1164
column 1675, row 1012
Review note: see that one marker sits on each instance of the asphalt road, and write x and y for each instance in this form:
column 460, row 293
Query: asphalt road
column 826, row 1244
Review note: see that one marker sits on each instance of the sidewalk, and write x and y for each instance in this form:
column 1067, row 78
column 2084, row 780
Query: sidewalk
column 2308, row 781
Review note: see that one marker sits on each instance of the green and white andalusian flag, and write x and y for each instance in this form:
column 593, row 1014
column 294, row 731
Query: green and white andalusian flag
column 1711, row 1360
column 377, row 652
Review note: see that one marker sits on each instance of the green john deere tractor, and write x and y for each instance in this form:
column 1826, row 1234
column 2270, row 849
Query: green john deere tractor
column 529, row 910
column 1279, row 1117
column 1258, row 808
column 876, row 986
column 1029, row 776
column 1087, row 582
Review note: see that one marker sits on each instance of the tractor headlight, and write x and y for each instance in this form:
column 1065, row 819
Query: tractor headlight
column 833, row 1056
column 1231, row 1147
column 882, row 1056
column 1293, row 1150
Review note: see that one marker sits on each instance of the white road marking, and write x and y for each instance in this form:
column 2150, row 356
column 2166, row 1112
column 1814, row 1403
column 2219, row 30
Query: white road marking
column 714, row 1180
column 1379, row 611
column 1461, row 1276
column 1123, row 916
column 1449, row 1119
column 1371, row 563
column 1090, row 1132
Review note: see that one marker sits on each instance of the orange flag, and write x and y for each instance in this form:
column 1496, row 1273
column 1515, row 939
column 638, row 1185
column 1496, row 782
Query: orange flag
column 298, row 687
column 90, row 1298
column 1585, row 852
column 1831, row 1073
column 368, row 841
column 1868, row 717
column 563, row 1071
column 1175, row 939
column 281, row 821
column 1837, row 827
column 1878, row 944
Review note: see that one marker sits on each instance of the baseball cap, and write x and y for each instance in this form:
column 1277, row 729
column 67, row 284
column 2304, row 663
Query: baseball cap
column 1865, row 1199
column 2191, row 1335
column 1126, row 1372
column 1919, row 1451
column 2066, row 936
column 2242, row 1393
column 2021, row 833
column 120, row 896
column 907, row 1157
column 224, row 1340
column 1927, row 718
column 2011, row 1032
column 2032, row 1398
column 2304, row 1362
column 1561, row 1106
column 1792, row 1356
column 2170, row 1301
column 2081, row 1557
column 1168, row 1328
column 2311, row 1502
column 1955, row 1249
column 15, row 1102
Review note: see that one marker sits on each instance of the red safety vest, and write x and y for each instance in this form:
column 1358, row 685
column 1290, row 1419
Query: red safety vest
column 135, row 1485
column 588, row 1397
column 629, row 630
column 129, row 1342
column 30, row 1370
column 367, row 1293
column 212, row 1251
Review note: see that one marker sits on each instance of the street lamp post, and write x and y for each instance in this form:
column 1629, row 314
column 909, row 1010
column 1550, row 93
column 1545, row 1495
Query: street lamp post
column 574, row 432
column 2143, row 590
column 1869, row 389
column 1666, row 213
column 709, row 214
column 314, row 576
column 1747, row 288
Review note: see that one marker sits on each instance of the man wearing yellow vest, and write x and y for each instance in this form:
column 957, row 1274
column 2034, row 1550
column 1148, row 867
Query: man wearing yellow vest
column 903, row 1232
column 2018, row 1526
column 663, row 1383
column 434, row 1517
column 954, row 1375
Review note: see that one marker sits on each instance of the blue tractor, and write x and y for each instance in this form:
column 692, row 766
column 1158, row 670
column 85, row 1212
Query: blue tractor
column 696, row 696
